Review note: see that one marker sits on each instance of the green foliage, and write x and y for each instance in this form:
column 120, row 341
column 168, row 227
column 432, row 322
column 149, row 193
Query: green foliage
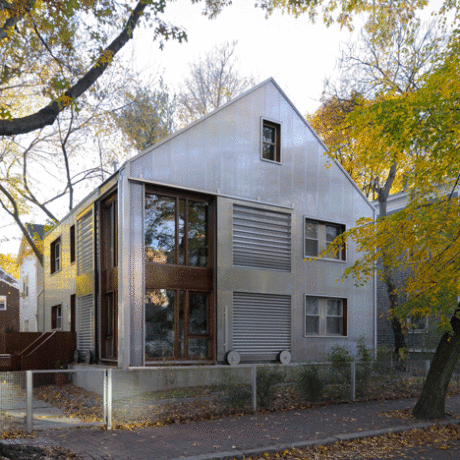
column 340, row 359
column 309, row 383
column 267, row 379
column 146, row 116
column 235, row 393
column 363, row 366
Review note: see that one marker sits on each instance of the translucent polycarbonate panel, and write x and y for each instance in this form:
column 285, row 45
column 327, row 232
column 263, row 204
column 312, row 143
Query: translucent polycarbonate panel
column 334, row 325
column 160, row 229
column 334, row 307
column 312, row 306
column 269, row 134
column 268, row 152
column 159, row 323
column 197, row 233
column 198, row 313
column 312, row 324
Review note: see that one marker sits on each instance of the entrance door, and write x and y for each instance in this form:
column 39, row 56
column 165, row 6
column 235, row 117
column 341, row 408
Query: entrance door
column 179, row 274
column 109, row 277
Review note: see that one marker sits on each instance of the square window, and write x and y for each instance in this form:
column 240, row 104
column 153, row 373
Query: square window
column 2, row 302
column 271, row 141
column 319, row 235
column 417, row 324
column 55, row 255
column 325, row 316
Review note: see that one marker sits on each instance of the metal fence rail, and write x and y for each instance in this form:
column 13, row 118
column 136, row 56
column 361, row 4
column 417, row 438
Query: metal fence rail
column 145, row 396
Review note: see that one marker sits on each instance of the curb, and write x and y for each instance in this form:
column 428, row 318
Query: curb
column 241, row 454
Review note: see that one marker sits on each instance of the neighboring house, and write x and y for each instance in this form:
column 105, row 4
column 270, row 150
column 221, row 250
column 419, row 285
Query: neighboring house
column 196, row 247
column 422, row 336
column 31, row 281
column 9, row 303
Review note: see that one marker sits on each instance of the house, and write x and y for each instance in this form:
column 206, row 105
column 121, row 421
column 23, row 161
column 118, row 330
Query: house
column 204, row 244
column 31, row 281
column 422, row 335
column 9, row 303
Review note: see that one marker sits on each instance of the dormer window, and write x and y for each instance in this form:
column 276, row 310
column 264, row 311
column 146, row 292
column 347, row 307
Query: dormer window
column 271, row 141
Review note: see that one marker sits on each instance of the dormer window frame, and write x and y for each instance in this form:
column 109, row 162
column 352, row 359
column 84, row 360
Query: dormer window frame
column 276, row 125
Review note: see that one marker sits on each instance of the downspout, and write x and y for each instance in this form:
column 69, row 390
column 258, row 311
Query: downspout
column 375, row 301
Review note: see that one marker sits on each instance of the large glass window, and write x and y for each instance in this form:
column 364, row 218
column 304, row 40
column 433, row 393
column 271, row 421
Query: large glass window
column 176, row 231
column 176, row 324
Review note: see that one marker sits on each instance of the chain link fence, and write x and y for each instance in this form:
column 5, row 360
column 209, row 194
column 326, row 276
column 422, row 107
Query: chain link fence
column 139, row 397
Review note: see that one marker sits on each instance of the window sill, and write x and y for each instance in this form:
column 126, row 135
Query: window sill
column 331, row 336
column 271, row 161
column 312, row 258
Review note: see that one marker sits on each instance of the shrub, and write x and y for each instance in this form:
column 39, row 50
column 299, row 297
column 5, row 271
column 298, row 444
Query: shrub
column 363, row 368
column 310, row 383
column 267, row 379
column 236, row 394
column 340, row 359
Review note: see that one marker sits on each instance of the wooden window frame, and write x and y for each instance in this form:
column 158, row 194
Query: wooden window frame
column 277, row 127
column 72, row 244
column 322, row 314
column 56, row 262
column 322, row 241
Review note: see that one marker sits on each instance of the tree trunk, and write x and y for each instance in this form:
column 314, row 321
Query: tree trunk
column 432, row 400
column 400, row 340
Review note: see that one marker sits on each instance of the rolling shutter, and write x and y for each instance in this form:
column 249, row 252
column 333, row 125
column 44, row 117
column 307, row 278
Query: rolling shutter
column 85, row 244
column 85, row 323
column 261, row 238
column 85, row 314
column 261, row 323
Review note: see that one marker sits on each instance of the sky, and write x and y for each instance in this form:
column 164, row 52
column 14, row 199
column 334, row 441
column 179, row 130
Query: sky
column 299, row 55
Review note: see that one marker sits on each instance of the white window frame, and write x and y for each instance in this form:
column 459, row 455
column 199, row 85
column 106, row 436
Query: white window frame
column 3, row 302
column 322, row 241
column 322, row 322
column 261, row 146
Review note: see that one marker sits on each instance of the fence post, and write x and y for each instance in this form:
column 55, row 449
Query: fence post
column 29, row 401
column 109, row 399
column 104, row 395
column 427, row 367
column 353, row 381
column 254, row 387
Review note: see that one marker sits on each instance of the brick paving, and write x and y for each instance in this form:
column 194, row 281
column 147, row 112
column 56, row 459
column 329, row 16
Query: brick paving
column 232, row 436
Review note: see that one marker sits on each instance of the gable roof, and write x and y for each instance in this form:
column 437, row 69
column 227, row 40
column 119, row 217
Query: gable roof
column 8, row 279
column 235, row 100
column 35, row 230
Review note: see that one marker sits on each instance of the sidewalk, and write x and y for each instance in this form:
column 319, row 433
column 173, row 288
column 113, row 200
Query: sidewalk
column 234, row 437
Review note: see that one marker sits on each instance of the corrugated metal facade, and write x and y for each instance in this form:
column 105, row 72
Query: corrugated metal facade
column 261, row 238
column 261, row 323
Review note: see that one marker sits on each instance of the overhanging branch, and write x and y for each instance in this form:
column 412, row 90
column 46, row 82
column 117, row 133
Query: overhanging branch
column 47, row 115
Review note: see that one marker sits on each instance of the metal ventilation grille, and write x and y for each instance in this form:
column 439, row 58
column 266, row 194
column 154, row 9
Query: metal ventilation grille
column 85, row 244
column 85, row 323
column 261, row 323
column 261, row 239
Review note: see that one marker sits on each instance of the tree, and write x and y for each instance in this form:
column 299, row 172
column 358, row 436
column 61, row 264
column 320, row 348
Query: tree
column 146, row 116
column 213, row 81
column 374, row 71
column 424, row 238
column 59, row 49
column 9, row 264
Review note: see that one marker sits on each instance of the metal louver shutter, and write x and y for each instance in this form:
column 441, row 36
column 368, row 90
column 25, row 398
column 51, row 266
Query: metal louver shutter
column 85, row 244
column 261, row 239
column 85, row 323
column 261, row 323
